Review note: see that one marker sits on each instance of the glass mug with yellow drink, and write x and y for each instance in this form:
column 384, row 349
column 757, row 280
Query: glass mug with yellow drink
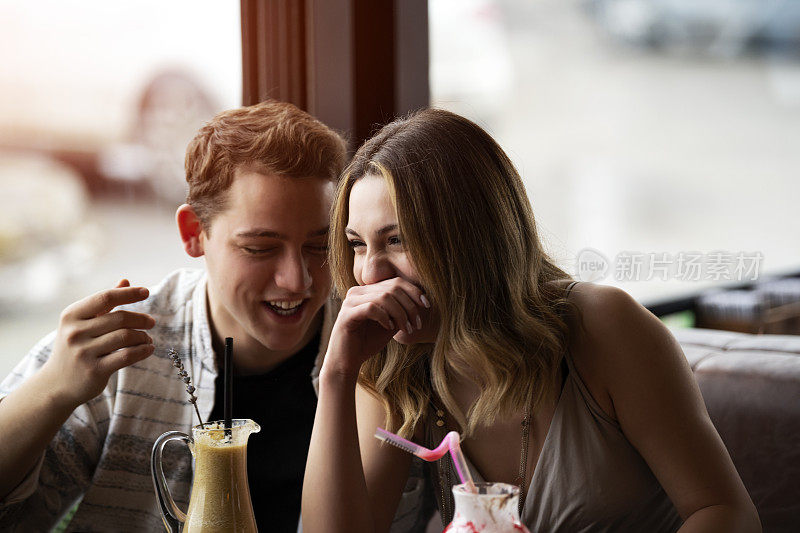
column 220, row 497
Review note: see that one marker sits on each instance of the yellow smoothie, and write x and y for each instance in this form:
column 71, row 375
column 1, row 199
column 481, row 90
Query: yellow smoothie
column 220, row 499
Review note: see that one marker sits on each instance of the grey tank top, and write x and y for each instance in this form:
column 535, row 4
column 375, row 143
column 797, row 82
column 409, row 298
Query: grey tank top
column 588, row 478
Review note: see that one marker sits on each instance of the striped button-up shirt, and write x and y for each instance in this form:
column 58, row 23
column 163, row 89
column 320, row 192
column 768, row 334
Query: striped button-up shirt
column 101, row 455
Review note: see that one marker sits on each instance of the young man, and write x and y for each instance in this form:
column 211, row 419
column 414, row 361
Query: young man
column 80, row 413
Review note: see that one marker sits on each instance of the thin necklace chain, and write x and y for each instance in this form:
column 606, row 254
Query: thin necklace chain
column 523, row 457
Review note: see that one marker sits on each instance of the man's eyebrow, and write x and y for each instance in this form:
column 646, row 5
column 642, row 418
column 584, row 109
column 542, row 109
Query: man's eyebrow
column 320, row 232
column 385, row 229
column 260, row 232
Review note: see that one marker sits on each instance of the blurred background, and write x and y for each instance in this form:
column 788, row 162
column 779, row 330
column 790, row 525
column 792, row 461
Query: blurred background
column 98, row 101
column 639, row 127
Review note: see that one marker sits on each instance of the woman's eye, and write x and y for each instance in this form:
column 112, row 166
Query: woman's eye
column 394, row 240
column 354, row 244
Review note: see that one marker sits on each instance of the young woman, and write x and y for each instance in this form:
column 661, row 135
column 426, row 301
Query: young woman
column 454, row 317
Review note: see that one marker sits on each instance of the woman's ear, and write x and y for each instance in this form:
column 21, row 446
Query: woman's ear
column 190, row 229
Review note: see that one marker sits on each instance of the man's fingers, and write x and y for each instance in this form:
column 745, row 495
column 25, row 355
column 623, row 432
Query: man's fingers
column 124, row 357
column 117, row 340
column 115, row 320
column 104, row 301
column 123, row 283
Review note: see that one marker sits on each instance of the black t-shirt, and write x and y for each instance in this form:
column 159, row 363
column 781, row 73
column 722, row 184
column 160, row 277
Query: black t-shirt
column 283, row 403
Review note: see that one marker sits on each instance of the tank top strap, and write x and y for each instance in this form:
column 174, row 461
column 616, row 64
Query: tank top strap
column 565, row 365
column 569, row 288
column 571, row 372
column 588, row 399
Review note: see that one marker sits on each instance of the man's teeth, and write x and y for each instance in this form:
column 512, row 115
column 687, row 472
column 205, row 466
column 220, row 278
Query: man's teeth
column 285, row 307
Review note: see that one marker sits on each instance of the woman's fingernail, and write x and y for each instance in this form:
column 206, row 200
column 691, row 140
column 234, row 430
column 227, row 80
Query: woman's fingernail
column 409, row 328
column 419, row 322
column 424, row 301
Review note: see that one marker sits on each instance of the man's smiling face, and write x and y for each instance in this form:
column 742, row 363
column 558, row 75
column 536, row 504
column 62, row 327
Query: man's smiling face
column 266, row 260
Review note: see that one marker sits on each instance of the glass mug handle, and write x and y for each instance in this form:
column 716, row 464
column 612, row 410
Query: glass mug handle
column 172, row 516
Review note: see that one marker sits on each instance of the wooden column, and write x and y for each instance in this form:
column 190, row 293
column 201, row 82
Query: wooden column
column 354, row 64
column 374, row 68
column 274, row 51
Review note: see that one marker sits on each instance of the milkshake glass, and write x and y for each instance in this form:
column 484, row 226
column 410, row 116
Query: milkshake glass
column 493, row 509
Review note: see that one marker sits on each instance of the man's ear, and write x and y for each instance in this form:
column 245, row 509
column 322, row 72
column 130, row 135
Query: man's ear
column 190, row 229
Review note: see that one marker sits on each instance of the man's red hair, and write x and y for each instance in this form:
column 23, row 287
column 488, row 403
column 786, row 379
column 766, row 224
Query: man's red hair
column 271, row 137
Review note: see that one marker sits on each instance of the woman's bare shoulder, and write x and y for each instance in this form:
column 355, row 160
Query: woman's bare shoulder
column 599, row 308
column 613, row 327
column 613, row 318
column 594, row 298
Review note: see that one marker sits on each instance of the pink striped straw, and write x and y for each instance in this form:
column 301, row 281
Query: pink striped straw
column 451, row 442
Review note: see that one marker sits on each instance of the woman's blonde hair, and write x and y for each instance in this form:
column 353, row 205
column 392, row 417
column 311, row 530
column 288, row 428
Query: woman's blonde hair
column 467, row 225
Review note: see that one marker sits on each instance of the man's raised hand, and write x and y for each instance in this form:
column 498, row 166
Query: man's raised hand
column 93, row 341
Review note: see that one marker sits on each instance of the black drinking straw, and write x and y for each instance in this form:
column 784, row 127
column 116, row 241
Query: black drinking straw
column 228, row 369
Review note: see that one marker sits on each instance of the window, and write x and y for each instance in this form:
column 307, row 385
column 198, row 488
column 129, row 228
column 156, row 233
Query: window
column 639, row 127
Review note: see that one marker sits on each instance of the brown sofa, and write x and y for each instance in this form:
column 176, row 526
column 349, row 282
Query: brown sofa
column 751, row 387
